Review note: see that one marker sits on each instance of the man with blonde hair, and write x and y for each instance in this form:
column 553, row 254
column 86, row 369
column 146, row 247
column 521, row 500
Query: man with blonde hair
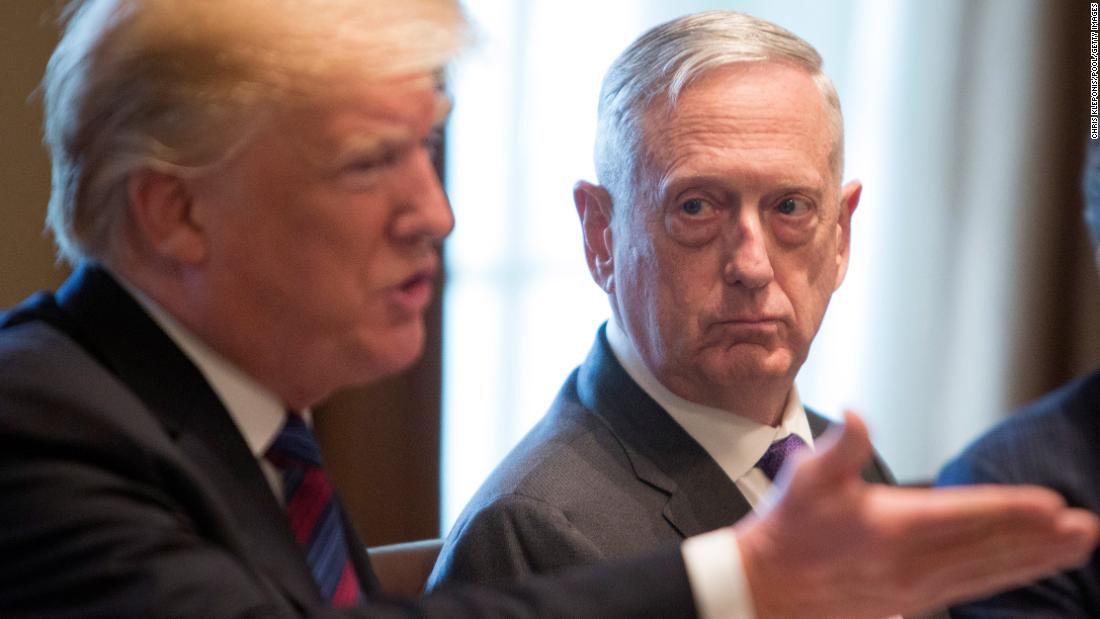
column 246, row 191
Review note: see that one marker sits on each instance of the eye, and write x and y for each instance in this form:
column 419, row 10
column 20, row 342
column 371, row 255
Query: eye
column 693, row 206
column 372, row 162
column 794, row 219
column 793, row 206
column 693, row 221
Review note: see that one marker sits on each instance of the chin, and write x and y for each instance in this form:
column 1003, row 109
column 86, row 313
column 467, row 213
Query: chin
column 738, row 365
column 398, row 350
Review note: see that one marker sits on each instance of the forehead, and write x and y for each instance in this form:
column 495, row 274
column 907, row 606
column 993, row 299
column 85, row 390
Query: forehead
column 751, row 122
column 365, row 114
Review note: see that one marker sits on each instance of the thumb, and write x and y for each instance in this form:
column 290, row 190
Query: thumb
column 844, row 450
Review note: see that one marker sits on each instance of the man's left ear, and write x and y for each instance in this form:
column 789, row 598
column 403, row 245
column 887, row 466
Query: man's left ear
column 849, row 199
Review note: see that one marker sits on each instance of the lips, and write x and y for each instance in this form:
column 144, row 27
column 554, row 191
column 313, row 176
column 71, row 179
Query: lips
column 746, row 329
column 754, row 325
column 415, row 292
column 750, row 320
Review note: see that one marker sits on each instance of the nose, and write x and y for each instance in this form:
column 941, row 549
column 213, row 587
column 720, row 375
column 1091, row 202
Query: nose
column 425, row 213
column 747, row 263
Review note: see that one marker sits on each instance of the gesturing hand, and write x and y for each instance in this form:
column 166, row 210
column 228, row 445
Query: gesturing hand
column 833, row 545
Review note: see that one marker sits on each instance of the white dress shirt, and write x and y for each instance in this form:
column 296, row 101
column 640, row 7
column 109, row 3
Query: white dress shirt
column 713, row 559
column 257, row 412
column 736, row 443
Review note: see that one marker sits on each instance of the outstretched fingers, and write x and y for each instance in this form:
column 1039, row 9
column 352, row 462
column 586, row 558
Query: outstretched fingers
column 839, row 456
column 916, row 548
column 963, row 562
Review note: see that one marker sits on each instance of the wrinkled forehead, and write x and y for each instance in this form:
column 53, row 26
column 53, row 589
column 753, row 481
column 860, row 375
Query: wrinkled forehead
column 375, row 114
column 755, row 107
column 362, row 120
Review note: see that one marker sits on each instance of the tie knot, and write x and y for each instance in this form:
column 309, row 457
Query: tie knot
column 295, row 446
column 777, row 454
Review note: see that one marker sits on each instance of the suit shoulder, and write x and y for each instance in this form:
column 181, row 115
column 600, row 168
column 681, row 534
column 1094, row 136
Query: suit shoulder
column 37, row 352
column 1038, row 441
column 564, row 450
column 54, row 393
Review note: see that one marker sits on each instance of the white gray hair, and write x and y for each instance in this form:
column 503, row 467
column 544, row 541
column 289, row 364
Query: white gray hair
column 661, row 63
column 178, row 85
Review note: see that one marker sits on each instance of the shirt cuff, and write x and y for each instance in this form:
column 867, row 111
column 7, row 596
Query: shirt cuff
column 717, row 578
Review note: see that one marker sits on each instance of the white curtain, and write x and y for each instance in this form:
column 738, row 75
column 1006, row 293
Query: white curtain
column 941, row 100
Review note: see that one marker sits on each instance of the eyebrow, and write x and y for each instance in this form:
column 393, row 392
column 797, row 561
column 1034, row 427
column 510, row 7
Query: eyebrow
column 671, row 186
column 376, row 140
column 395, row 136
column 390, row 136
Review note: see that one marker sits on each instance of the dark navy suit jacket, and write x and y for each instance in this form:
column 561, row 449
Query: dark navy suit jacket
column 1054, row 442
column 126, row 491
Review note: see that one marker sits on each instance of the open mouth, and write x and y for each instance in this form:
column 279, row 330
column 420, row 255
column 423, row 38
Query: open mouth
column 415, row 293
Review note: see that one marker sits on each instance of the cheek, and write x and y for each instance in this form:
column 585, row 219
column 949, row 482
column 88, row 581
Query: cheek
column 315, row 280
column 687, row 292
column 808, row 277
column 341, row 254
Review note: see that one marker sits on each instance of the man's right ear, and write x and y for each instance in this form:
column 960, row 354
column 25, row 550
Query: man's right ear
column 163, row 218
column 594, row 209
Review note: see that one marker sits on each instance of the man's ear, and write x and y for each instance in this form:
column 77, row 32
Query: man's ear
column 594, row 209
column 163, row 218
column 849, row 199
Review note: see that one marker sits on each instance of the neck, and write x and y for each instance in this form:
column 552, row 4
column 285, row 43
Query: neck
column 762, row 400
column 184, row 305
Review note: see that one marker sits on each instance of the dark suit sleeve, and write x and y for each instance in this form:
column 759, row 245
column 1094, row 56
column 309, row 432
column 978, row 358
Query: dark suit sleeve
column 95, row 524
column 86, row 528
column 79, row 539
column 513, row 536
column 1058, row 597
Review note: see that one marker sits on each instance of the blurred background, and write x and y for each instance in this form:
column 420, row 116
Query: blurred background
column 972, row 287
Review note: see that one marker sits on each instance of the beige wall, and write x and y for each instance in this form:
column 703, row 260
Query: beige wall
column 27, row 34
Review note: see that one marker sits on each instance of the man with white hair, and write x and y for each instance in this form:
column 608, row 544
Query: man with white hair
column 719, row 231
column 245, row 189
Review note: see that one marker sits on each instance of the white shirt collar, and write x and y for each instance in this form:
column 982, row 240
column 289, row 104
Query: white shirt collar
column 735, row 442
column 257, row 412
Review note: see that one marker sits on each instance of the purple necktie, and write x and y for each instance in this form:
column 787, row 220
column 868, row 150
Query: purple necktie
column 314, row 512
column 777, row 454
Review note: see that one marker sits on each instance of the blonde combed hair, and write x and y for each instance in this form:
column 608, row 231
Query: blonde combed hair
column 178, row 85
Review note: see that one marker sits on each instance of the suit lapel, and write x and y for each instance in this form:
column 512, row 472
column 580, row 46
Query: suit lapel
column 701, row 497
column 875, row 471
column 368, row 581
column 117, row 331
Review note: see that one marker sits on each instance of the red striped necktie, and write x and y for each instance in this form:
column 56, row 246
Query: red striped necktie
column 314, row 511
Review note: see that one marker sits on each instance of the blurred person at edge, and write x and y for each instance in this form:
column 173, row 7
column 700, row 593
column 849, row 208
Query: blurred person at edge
column 1051, row 442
